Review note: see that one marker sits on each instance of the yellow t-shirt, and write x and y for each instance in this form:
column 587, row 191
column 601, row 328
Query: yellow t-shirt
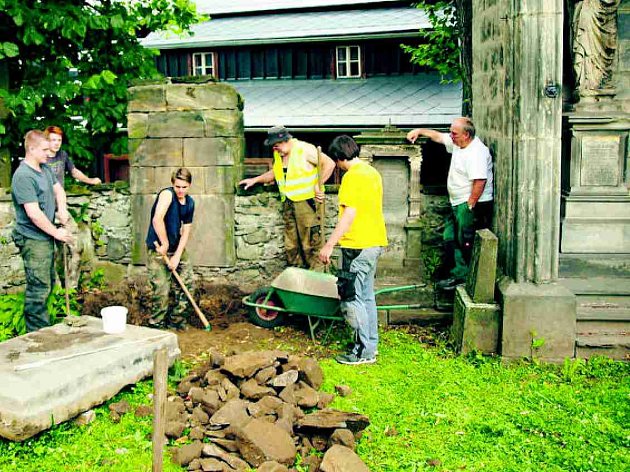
column 362, row 189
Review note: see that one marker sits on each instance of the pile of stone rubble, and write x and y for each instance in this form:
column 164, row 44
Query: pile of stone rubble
column 260, row 410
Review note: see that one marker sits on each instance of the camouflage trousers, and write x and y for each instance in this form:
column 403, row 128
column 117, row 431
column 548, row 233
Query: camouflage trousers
column 163, row 285
column 37, row 256
column 302, row 234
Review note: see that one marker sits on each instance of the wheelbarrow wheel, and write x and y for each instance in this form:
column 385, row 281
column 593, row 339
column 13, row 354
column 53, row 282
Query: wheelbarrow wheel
column 265, row 317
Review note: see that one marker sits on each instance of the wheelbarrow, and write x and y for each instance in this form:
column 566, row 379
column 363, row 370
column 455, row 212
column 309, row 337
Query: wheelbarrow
column 302, row 292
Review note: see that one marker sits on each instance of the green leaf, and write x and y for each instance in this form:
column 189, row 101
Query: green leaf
column 108, row 76
column 10, row 49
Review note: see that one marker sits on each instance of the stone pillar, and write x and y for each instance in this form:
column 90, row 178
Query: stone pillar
column 399, row 164
column 517, row 70
column 198, row 126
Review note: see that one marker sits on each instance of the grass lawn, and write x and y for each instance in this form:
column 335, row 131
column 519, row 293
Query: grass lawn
column 429, row 410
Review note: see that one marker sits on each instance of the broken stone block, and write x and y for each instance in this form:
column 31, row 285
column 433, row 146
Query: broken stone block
column 183, row 455
column 343, row 390
column 233, row 413
column 212, row 465
column 211, row 450
column 339, row 458
column 287, row 378
column 174, row 429
column 196, row 433
column 272, row 466
column 311, row 372
column 251, row 390
column 85, row 418
column 325, row 399
column 344, row 437
column 143, row 411
column 264, row 375
column 247, row 364
column 334, row 419
column 120, row 407
column 259, row 441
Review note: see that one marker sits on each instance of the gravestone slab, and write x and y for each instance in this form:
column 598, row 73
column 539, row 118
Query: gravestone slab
column 56, row 373
column 483, row 267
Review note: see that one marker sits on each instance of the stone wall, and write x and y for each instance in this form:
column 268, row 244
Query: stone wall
column 107, row 239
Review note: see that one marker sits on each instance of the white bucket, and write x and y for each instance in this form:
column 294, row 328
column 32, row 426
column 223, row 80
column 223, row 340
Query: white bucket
column 114, row 319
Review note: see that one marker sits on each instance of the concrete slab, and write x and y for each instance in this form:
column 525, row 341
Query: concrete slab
column 54, row 374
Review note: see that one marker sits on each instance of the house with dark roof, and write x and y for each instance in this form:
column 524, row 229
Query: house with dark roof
column 319, row 67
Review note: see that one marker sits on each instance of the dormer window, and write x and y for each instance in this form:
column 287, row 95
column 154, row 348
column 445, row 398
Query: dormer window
column 348, row 61
column 203, row 63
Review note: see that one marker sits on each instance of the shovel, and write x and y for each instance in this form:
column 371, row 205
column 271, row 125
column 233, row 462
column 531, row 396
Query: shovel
column 201, row 316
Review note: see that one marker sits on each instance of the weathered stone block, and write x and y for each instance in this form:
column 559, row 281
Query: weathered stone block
column 176, row 124
column 483, row 267
column 141, row 180
column 146, row 98
column 534, row 314
column 46, row 386
column 140, row 214
column 195, row 97
column 227, row 123
column 476, row 326
column 137, row 125
column 214, row 249
column 218, row 179
column 213, row 151
column 158, row 152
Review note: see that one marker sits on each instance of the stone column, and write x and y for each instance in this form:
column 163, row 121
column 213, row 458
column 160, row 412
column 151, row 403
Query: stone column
column 517, row 70
column 198, row 126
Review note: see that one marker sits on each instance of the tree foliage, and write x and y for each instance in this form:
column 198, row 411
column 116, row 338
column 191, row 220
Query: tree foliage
column 447, row 46
column 74, row 58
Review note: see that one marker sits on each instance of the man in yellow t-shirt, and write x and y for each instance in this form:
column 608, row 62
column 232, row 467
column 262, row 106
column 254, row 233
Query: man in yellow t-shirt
column 362, row 236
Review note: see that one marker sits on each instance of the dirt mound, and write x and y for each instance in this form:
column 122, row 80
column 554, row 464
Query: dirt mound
column 221, row 304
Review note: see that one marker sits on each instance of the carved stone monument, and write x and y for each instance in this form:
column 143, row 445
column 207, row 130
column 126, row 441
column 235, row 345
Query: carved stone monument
column 595, row 195
column 399, row 164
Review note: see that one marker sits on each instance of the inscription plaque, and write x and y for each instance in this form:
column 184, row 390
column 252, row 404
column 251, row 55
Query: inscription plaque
column 600, row 162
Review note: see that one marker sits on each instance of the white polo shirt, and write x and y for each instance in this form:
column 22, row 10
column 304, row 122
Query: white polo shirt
column 468, row 164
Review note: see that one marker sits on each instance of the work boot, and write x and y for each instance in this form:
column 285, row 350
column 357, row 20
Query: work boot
column 449, row 284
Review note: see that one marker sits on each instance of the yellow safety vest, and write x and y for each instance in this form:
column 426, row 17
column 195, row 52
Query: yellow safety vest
column 299, row 182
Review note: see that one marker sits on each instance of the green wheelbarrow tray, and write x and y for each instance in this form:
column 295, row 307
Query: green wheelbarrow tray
column 304, row 292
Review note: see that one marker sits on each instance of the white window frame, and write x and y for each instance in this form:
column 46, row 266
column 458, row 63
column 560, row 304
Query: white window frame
column 347, row 62
column 205, row 68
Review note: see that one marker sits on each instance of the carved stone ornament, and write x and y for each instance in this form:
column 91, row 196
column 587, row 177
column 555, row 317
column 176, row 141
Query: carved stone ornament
column 594, row 44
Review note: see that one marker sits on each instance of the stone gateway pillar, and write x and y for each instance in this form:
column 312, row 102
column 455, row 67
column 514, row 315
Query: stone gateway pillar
column 517, row 76
column 193, row 125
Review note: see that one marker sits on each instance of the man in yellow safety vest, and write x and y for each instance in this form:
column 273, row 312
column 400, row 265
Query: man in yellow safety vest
column 296, row 169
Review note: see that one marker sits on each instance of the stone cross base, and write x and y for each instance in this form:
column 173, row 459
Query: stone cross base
column 476, row 326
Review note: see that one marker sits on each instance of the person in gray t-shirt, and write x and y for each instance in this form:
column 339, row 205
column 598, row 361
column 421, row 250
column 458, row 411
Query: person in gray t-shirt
column 36, row 194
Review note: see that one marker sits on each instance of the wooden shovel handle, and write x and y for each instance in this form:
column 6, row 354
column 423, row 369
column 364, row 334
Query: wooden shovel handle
column 183, row 286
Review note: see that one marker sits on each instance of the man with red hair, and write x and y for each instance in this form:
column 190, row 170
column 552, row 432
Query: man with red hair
column 60, row 163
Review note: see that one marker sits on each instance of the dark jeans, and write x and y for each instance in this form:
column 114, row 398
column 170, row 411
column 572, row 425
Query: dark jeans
column 39, row 268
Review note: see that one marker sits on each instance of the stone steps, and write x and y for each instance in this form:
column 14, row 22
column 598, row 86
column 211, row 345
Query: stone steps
column 603, row 315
